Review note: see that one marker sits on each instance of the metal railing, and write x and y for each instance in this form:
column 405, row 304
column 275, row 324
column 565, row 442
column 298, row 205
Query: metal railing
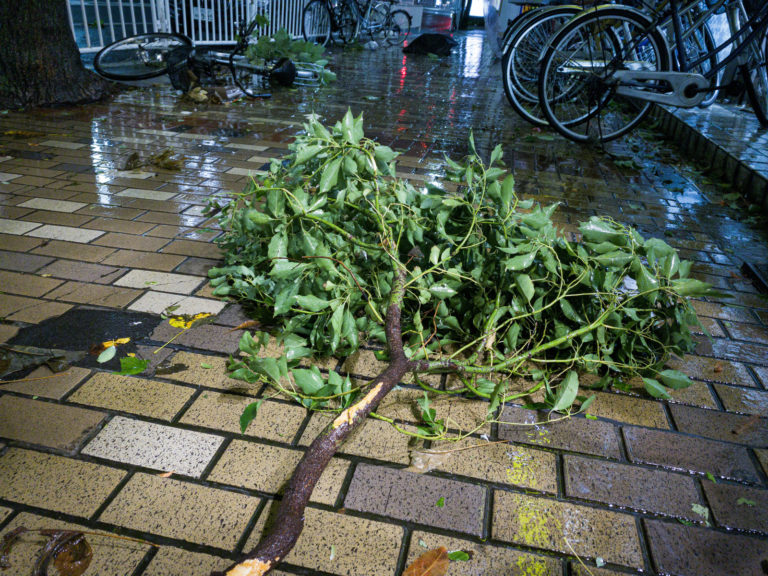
column 96, row 23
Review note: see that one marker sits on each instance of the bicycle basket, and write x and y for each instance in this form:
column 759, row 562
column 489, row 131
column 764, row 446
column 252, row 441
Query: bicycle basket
column 178, row 68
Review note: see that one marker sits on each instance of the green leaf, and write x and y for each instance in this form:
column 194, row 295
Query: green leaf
column 205, row 365
column 711, row 477
column 615, row 259
column 312, row 303
column 278, row 246
column 520, row 262
column 131, row 365
column 330, row 176
column 655, row 389
column 442, row 291
column 675, row 379
column 569, row 312
column 310, row 381
column 306, row 153
column 745, row 502
column 107, row 354
column 458, row 556
column 249, row 414
column 691, row 287
column 440, row 502
column 566, row 392
column 598, row 230
column 525, row 284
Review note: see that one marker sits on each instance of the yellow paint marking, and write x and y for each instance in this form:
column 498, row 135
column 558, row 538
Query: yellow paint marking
column 348, row 415
column 252, row 567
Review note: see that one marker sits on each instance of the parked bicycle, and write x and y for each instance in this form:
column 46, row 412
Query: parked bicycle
column 344, row 21
column 604, row 69
column 152, row 55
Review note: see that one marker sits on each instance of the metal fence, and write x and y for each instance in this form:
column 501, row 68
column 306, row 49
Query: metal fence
column 96, row 23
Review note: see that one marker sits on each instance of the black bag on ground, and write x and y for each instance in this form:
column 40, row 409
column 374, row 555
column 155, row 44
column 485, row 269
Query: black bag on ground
column 431, row 43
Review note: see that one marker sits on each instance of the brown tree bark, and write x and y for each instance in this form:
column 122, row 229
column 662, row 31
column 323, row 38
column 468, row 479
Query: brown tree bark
column 289, row 521
column 40, row 63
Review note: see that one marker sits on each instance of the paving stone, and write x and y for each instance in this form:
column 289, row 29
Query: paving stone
column 44, row 423
column 504, row 463
column 749, row 332
column 63, row 144
column 574, row 434
column 118, row 225
column 161, row 281
column 712, row 370
column 458, row 413
column 146, row 194
column 204, row 336
column 548, row 524
column 485, row 560
column 724, row 349
column 119, row 240
column 177, row 562
column 7, row 332
column 193, row 248
column 154, row 446
column 29, row 310
column 83, row 271
column 63, row 219
column 692, row 551
column 629, row 410
column 631, row 487
column 237, row 467
column 163, row 506
column 762, row 456
column 26, row 284
column 743, row 400
column 53, row 205
column 143, row 260
column 579, row 570
column 341, row 544
column 54, row 482
column 47, row 384
column 16, row 227
column 738, row 507
column 95, row 294
column 158, row 302
column 21, row 262
column 232, row 315
column 65, row 233
column 417, row 498
column 686, row 453
column 749, row 430
column 19, row 243
column 74, row 251
column 4, row 513
column 376, row 439
column 197, row 267
column 132, row 394
column 188, row 367
column 363, row 363
column 276, row 421
column 110, row 557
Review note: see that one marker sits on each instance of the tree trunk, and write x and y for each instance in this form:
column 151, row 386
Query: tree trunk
column 39, row 60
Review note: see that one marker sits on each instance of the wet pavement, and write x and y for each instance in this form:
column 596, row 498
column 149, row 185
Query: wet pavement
column 661, row 487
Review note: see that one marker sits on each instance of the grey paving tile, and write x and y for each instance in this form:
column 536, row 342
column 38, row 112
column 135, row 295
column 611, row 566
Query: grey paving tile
column 160, row 281
column 418, row 498
column 157, row 446
column 65, row 233
column 158, row 302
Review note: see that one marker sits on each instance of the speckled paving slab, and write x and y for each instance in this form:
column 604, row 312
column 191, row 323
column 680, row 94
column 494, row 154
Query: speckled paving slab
column 154, row 446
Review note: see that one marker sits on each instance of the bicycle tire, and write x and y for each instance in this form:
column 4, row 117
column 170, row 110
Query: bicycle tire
column 376, row 22
column 139, row 57
column 756, row 80
column 398, row 27
column 347, row 27
column 244, row 75
column 591, row 110
column 316, row 22
column 521, row 20
column 519, row 63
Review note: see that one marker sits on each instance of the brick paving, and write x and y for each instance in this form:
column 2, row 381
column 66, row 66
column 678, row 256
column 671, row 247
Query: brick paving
column 659, row 487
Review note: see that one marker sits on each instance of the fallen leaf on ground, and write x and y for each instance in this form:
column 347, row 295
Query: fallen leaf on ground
column 97, row 349
column 166, row 474
column 432, row 563
column 187, row 321
column 17, row 357
column 245, row 325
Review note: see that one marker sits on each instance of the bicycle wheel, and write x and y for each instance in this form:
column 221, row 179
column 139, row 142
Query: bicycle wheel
column 347, row 23
column 249, row 77
column 316, row 22
column 398, row 27
column 755, row 74
column 377, row 20
column 139, row 57
column 519, row 64
column 578, row 86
